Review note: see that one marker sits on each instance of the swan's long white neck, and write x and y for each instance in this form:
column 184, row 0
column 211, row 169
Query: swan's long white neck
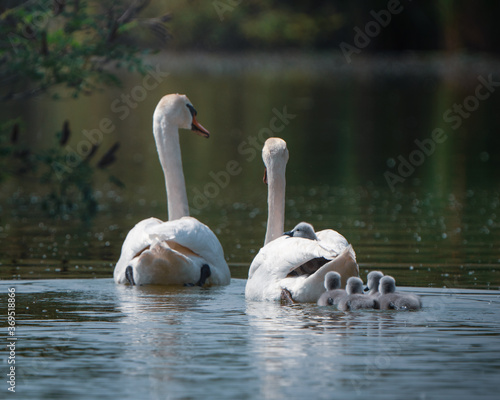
column 169, row 151
column 275, row 202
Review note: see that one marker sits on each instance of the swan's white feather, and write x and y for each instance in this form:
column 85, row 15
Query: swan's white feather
column 332, row 241
column 268, row 272
column 187, row 232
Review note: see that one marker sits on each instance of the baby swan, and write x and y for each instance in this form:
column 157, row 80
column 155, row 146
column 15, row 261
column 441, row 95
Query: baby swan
column 355, row 299
column 302, row 230
column 372, row 282
column 333, row 292
column 389, row 299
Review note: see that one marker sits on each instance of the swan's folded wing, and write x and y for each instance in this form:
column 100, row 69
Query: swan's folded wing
column 270, row 269
column 199, row 238
column 333, row 241
column 345, row 264
column 186, row 231
column 285, row 253
column 136, row 241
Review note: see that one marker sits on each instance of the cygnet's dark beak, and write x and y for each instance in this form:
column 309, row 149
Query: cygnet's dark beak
column 289, row 233
column 366, row 288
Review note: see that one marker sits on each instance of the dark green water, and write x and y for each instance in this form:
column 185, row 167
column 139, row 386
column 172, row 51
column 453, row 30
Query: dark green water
column 380, row 153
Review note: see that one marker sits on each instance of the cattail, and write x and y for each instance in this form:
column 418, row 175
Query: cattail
column 14, row 136
column 58, row 7
column 92, row 152
column 65, row 133
column 45, row 46
column 109, row 158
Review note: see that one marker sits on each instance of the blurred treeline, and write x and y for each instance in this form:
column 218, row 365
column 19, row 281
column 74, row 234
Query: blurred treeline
column 235, row 25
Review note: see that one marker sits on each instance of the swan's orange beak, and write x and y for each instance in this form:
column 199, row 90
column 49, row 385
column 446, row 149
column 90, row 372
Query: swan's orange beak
column 199, row 129
column 265, row 176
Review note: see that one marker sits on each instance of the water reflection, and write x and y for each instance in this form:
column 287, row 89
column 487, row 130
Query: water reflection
column 91, row 338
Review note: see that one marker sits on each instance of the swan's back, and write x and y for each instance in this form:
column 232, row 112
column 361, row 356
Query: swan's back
column 187, row 232
column 333, row 240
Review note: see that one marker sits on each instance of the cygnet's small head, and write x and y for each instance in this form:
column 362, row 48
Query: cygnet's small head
column 275, row 156
column 354, row 285
column 387, row 285
column 303, row 230
column 332, row 280
column 373, row 280
column 179, row 111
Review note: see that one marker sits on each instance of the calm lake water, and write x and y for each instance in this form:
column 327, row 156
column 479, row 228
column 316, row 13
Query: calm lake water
column 89, row 338
column 401, row 157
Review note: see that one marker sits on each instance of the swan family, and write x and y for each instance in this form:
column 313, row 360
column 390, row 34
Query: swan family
column 293, row 266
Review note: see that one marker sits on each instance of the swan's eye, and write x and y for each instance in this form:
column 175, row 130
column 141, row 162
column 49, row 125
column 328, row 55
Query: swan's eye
column 191, row 110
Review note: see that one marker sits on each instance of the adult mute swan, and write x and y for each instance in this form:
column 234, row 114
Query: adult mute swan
column 181, row 251
column 292, row 266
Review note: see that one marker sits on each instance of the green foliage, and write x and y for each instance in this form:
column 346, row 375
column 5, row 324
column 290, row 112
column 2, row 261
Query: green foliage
column 45, row 43
column 254, row 24
column 14, row 159
column 324, row 25
column 69, row 190
column 49, row 45
column 67, row 185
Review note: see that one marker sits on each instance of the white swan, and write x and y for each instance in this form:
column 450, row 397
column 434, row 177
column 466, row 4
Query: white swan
column 293, row 266
column 181, row 251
